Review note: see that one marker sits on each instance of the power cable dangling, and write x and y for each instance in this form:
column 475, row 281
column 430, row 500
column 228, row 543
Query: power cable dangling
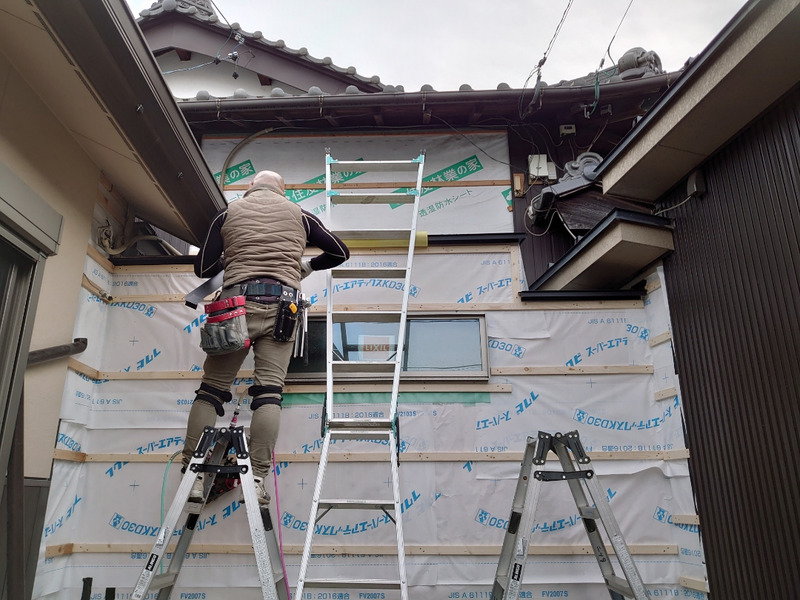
column 538, row 69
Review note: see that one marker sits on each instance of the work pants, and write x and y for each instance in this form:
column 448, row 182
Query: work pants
column 219, row 372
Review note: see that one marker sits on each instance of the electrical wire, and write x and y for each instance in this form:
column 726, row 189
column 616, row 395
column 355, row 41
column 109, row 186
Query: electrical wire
column 669, row 208
column 217, row 59
column 613, row 37
column 219, row 12
column 602, row 61
column 549, row 223
column 538, row 68
column 489, row 156
column 597, row 137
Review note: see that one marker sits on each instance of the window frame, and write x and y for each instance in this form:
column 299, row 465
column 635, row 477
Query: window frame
column 481, row 375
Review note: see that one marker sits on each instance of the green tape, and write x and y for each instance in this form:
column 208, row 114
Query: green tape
column 337, row 177
column 465, row 398
column 237, row 172
column 454, row 172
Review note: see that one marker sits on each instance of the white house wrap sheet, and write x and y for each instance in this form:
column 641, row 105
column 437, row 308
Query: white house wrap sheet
column 455, row 510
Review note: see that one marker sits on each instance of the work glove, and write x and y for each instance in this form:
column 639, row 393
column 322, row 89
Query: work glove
column 305, row 268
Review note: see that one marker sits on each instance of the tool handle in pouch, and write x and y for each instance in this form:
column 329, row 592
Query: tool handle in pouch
column 286, row 319
column 225, row 329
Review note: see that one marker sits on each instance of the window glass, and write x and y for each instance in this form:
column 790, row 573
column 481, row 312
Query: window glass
column 436, row 347
column 444, row 345
column 16, row 276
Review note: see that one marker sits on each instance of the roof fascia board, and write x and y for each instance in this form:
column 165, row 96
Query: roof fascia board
column 723, row 90
column 108, row 46
column 614, row 218
column 554, row 96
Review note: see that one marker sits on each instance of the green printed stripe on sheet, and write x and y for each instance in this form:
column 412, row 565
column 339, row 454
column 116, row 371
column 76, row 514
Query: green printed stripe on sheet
column 467, row 398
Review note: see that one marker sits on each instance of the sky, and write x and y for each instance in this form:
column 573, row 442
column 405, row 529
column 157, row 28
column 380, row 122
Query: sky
column 482, row 43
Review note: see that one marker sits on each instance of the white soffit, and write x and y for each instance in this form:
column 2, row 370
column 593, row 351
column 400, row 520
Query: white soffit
column 612, row 259
column 750, row 67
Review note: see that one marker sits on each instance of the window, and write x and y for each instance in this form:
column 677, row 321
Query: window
column 437, row 347
column 19, row 281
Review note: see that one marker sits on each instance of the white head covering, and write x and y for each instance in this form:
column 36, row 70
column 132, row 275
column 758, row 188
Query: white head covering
column 271, row 179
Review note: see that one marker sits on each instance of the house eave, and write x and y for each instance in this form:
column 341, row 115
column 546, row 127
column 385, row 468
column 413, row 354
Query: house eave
column 611, row 255
column 746, row 68
column 165, row 178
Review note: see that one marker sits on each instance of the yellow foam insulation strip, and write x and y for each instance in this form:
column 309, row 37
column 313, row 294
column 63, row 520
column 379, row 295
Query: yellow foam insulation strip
column 420, row 241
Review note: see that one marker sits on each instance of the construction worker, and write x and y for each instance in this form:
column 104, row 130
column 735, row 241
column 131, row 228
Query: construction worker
column 259, row 241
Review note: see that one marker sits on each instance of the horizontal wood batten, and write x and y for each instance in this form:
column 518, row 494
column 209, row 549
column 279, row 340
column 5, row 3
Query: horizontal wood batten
column 296, row 549
column 355, row 457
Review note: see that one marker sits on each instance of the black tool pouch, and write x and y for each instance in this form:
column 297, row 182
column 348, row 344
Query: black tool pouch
column 286, row 319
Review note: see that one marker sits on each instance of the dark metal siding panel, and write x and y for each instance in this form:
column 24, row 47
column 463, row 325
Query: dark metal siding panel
column 538, row 251
column 734, row 292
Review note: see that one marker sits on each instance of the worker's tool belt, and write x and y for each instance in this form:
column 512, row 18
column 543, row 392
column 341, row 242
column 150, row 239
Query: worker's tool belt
column 270, row 291
column 264, row 290
column 289, row 308
column 225, row 329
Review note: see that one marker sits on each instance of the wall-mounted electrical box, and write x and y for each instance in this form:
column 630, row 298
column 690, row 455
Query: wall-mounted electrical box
column 541, row 168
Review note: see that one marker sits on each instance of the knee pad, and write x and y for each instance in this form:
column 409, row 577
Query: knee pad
column 264, row 390
column 214, row 397
column 265, row 394
column 262, row 400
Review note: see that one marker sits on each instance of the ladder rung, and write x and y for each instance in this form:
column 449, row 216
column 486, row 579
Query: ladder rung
column 358, row 434
column 375, row 234
column 194, row 508
column 353, row 316
column 363, row 366
column 369, row 273
column 372, row 197
column 369, row 424
column 374, row 165
column 588, row 512
column 619, row 585
column 163, row 580
column 346, row 503
column 363, row 584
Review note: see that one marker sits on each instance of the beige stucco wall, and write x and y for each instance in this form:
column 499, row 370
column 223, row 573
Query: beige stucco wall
column 43, row 154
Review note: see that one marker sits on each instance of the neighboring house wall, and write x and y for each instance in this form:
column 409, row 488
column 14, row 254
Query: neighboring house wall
column 46, row 163
column 733, row 283
column 42, row 154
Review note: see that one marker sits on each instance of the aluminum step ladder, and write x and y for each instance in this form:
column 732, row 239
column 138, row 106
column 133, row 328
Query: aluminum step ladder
column 212, row 461
column 577, row 472
column 334, row 428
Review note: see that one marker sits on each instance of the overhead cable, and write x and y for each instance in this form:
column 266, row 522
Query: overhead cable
column 603, row 60
column 538, row 68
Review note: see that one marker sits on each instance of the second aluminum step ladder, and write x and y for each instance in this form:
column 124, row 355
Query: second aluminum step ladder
column 395, row 193
column 211, row 462
column 577, row 472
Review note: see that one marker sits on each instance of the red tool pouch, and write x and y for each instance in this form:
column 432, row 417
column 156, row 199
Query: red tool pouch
column 225, row 329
